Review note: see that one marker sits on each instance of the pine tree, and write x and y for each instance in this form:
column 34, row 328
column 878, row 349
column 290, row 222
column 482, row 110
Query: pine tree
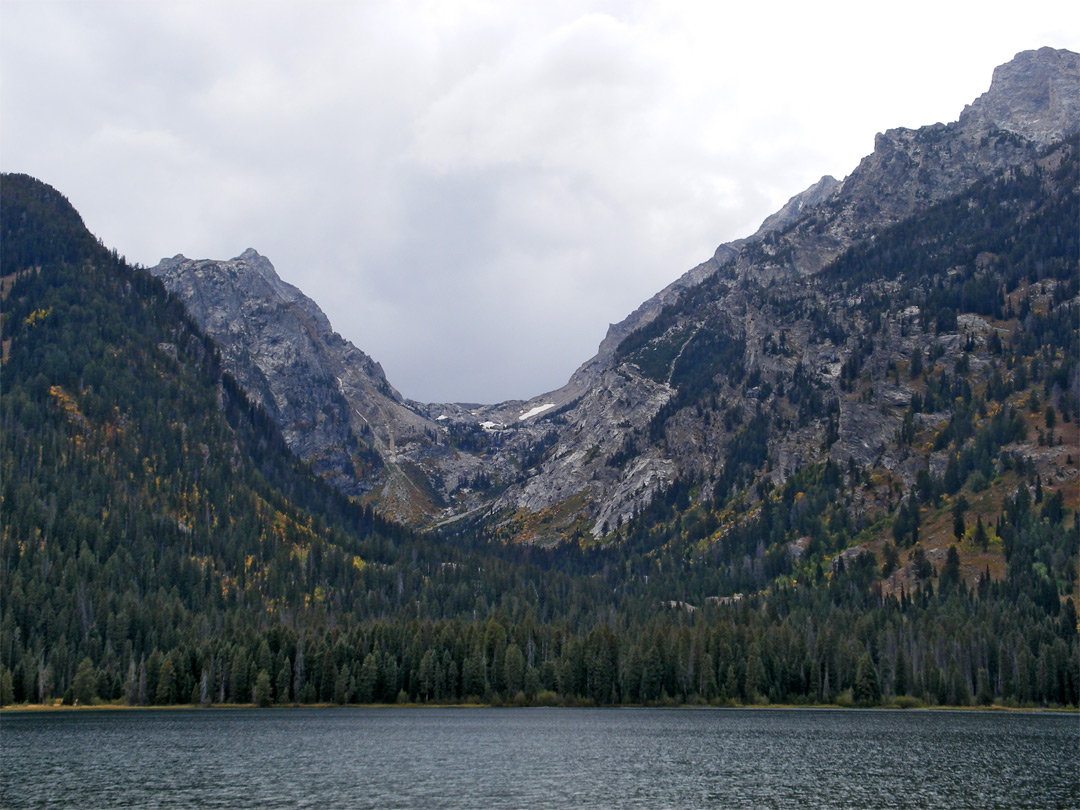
column 7, row 691
column 981, row 538
column 284, row 677
column 958, row 524
column 166, row 691
column 85, row 683
column 263, row 692
column 867, row 690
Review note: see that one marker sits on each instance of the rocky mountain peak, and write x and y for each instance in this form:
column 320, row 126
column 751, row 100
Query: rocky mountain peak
column 1033, row 95
column 262, row 267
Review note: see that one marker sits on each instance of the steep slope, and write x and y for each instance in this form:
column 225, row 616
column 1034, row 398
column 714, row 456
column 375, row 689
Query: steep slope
column 333, row 402
column 127, row 449
column 654, row 363
column 327, row 396
column 934, row 360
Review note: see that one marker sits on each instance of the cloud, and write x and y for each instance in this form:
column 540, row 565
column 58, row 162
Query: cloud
column 473, row 190
column 555, row 102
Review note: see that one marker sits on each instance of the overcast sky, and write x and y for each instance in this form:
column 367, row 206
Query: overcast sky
column 473, row 191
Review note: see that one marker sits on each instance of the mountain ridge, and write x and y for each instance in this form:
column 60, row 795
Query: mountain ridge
column 433, row 455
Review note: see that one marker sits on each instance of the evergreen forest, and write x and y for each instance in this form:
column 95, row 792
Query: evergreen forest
column 160, row 544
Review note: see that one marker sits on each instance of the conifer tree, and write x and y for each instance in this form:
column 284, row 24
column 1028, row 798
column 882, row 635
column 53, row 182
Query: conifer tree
column 85, row 683
column 866, row 690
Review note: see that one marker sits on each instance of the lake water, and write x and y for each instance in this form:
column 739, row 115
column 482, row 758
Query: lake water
column 543, row 758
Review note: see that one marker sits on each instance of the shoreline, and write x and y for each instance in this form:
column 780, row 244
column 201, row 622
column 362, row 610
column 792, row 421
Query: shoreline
column 58, row 707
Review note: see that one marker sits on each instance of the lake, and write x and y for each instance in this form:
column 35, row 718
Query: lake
column 545, row 758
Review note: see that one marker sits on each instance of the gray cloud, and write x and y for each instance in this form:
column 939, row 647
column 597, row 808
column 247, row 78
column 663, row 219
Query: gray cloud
column 472, row 192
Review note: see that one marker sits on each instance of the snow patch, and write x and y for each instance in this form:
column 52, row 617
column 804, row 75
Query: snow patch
column 535, row 411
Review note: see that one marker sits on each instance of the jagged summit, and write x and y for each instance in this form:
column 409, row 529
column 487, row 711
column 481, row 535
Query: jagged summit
column 1033, row 95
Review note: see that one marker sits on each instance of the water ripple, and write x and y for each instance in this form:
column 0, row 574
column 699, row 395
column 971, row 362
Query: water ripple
column 443, row 759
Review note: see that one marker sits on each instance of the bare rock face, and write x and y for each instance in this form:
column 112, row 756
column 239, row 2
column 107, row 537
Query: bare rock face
column 625, row 426
column 236, row 300
column 332, row 402
column 1034, row 96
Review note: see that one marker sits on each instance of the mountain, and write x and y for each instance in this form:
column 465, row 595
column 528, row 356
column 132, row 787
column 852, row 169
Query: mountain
column 326, row 395
column 729, row 297
column 642, row 413
column 159, row 541
column 145, row 502
column 837, row 463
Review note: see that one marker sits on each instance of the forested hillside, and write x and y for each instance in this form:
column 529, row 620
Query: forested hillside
column 160, row 544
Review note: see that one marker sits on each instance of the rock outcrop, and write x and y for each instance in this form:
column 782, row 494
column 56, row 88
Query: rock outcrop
column 332, row 402
column 1034, row 96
